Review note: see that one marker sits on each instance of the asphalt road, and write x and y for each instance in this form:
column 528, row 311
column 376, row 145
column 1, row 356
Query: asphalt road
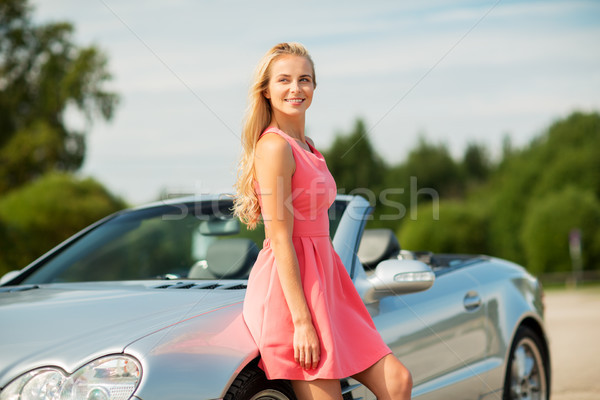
column 573, row 324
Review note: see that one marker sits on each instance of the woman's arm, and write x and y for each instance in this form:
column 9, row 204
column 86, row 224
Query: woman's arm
column 274, row 166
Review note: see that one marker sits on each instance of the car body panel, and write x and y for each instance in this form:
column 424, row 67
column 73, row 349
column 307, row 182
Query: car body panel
column 201, row 356
column 511, row 296
column 71, row 324
column 439, row 335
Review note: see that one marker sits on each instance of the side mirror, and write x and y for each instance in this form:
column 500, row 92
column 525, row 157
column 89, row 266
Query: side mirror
column 393, row 277
column 9, row 276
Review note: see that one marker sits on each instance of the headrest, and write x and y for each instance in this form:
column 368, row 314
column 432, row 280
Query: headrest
column 231, row 258
column 377, row 245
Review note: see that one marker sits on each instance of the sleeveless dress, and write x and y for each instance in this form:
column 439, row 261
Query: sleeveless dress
column 348, row 339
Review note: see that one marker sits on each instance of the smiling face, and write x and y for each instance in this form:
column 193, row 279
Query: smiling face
column 291, row 85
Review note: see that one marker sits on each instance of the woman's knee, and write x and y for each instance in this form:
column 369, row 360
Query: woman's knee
column 406, row 376
column 402, row 379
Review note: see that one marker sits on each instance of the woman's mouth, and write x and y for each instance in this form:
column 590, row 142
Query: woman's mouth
column 294, row 101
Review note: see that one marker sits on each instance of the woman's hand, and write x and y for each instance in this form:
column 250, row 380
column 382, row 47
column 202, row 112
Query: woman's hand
column 307, row 349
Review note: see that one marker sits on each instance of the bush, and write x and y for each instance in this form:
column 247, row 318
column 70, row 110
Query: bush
column 461, row 228
column 546, row 228
column 43, row 213
column 564, row 155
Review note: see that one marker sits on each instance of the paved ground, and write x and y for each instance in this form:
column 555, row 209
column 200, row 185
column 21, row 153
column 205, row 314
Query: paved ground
column 573, row 324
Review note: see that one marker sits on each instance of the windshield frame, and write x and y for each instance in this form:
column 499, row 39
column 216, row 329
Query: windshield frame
column 201, row 208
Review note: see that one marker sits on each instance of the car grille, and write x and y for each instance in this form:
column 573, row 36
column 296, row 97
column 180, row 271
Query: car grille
column 205, row 286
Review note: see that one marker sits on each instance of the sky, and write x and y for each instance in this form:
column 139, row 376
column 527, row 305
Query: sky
column 455, row 72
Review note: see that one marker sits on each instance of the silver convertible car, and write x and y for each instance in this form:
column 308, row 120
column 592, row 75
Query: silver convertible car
column 146, row 304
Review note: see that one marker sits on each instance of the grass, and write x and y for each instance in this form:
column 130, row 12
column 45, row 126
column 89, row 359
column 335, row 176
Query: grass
column 591, row 286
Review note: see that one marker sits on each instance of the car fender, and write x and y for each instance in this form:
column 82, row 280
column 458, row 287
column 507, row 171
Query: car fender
column 511, row 296
column 197, row 358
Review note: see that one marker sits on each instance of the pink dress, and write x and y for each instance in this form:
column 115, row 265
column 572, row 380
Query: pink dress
column 349, row 341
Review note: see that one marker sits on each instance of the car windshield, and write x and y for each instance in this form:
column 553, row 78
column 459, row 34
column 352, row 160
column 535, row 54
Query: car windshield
column 195, row 240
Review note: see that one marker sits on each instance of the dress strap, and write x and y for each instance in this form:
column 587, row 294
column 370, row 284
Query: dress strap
column 273, row 129
column 291, row 140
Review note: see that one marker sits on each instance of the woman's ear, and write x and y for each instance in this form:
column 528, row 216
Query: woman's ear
column 266, row 94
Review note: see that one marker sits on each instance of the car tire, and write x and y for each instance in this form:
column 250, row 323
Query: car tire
column 252, row 384
column 527, row 376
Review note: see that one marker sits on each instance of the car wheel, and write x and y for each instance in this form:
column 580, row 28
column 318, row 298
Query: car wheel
column 252, row 384
column 526, row 374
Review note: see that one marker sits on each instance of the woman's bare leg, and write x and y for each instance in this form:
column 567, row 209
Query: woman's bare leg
column 388, row 379
column 320, row 389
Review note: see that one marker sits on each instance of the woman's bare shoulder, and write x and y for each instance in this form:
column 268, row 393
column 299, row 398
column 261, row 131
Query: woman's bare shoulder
column 274, row 154
column 273, row 144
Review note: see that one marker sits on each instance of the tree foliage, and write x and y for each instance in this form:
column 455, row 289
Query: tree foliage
column 522, row 207
column 434, row 168
column 41, row 214
column 476, row 164
column 354, row 163
column 528, row 205
column 428, row 173
column 564, row 155
column 42, row 74
column 548, row 222
column 457, row 227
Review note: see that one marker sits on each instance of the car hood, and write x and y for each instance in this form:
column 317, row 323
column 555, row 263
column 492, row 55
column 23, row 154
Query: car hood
column 68, row 325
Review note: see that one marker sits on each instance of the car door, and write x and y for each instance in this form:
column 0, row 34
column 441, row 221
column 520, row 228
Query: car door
column 439, row 335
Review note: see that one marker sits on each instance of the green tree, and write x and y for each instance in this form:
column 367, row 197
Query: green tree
column 42, row 73
column 548, row 222
column 353, row 161
column 359, row 169
column 41, row 214
column 434, row 168
column 569, row 154
column 565, row 155
column 476, row 163
column 457, row 227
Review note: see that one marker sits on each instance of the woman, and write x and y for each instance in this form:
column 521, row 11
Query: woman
column 301, row 307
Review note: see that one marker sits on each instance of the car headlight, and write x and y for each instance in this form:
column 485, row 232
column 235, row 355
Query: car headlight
column 108, row 378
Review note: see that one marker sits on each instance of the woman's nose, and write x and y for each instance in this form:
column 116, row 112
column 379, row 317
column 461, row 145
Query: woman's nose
column 294, row 87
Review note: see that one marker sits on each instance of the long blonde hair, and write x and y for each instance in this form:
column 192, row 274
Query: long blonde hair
column 257, row 118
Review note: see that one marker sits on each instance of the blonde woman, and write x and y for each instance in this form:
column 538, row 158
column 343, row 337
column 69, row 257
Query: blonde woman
column 301, row 307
